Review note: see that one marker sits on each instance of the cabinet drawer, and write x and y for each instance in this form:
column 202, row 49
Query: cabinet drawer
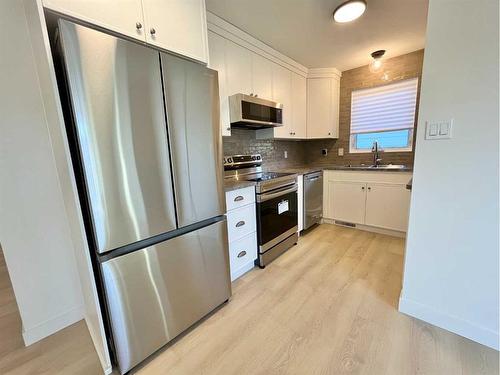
column 241, row 222
column 242, row 254
column 240, row 197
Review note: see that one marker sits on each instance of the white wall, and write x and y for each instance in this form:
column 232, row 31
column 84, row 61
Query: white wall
column 34, row 232
column 451, row 274
column 60, row 149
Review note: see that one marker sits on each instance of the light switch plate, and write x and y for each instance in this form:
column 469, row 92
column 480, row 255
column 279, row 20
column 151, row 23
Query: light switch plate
column 341, row 151
column 438, row 129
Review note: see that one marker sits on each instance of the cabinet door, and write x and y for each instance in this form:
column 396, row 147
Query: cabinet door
column 347, row 201
column 127, row 21
column 239, row 68
column 334, row 123
column 262, row 70
column 387, row 206
column 217, row 61
column 178, row 26
column 282, row 87
column 319, row 108
column 299, row 105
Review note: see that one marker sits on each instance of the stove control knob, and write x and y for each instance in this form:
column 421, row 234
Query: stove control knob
column 229, row 160
column 254, row 158
column 258, row 157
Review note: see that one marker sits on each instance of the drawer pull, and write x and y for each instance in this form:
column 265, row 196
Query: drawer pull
column 242, row 254
column 240, row 224
column 238, row 198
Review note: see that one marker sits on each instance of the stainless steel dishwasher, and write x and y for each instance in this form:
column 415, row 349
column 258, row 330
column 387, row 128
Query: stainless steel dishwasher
column 313, row 198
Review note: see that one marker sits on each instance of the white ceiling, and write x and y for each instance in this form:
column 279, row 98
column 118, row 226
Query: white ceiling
column 304, row 30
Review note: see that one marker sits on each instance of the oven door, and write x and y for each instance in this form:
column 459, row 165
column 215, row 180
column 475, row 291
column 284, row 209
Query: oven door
column 277, row 216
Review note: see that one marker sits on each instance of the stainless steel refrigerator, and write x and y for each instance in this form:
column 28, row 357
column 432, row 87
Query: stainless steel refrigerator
column 143, row 126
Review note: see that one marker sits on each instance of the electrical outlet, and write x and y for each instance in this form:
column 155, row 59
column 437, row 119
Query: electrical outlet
column 286, row 154
column 324, row 152
column 341, row 151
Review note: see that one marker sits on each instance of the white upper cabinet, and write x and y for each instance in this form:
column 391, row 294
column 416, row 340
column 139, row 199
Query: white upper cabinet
column 239, row 68
column 262, row 77
column 178, row 26
column 323, row 108
column 128, row 20
column 217, row 61
column 299, row 106
column 282, row 93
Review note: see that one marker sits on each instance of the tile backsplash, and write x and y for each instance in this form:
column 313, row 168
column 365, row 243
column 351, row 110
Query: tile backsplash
column 243, row 141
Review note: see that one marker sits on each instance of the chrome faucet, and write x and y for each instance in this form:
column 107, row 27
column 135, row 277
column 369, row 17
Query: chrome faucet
column 376, row 156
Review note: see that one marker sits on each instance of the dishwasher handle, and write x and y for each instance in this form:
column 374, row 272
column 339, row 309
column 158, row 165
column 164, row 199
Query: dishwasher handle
column 313, row 176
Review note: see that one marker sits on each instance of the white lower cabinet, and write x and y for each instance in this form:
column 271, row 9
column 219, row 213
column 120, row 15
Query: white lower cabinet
column 387, row 206
column 348, row 201
column 240, row 222
column 241, row 230
column 300, row 202
column 242, row 254
column 376, row 199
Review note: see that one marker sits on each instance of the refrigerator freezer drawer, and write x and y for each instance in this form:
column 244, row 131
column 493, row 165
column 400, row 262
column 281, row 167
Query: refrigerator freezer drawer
column 155, row 293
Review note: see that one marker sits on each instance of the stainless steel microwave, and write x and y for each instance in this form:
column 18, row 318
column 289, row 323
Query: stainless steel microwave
column 248, row 111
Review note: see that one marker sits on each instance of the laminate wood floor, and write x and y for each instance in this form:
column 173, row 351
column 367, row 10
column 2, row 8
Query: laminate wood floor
column 327, row 306
column 69, row 351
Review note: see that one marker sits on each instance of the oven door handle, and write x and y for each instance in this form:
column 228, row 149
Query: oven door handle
column 276, row 193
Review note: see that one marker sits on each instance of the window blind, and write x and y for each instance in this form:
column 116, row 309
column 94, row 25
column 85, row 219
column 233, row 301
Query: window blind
column 384, row 108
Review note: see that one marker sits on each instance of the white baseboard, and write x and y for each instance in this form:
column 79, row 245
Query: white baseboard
column 451, row 323
column 52, row 325
column 367, row 228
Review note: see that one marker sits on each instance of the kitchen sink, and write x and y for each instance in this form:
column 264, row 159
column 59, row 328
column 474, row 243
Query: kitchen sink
column 380, row 166
column 388, row 166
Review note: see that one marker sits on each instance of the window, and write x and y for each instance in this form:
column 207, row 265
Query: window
column 385, row 114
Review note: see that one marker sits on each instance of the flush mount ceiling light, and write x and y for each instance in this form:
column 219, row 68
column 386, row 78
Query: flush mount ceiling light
column 376, row 64
column 349, row 10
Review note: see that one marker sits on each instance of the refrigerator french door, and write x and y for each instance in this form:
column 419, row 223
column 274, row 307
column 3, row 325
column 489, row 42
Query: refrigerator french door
column 145, row 140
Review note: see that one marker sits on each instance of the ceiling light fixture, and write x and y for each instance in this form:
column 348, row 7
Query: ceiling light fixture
column 349, row 10
column 376, row 64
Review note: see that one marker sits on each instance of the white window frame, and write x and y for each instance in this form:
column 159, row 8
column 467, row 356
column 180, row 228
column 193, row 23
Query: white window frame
column 354, row 150
column 352, row 137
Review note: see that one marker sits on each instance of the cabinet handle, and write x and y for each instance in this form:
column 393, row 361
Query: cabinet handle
column 369, row 188
column 242, row 254
column 152, row 31
column 256, row 95
column 329, row 133
column 362, row 188
column 240, row 224
column 238, row 198
column 138, row 25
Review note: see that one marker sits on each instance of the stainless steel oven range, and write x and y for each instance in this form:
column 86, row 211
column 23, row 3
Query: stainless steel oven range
column 276, row 204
